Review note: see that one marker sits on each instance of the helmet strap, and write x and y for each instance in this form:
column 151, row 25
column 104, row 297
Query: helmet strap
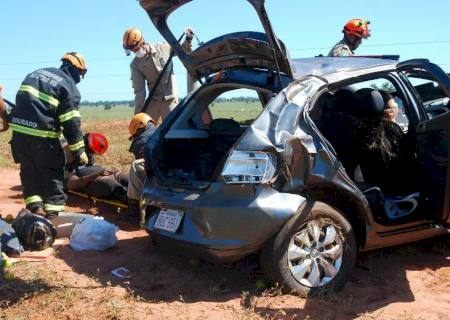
column 71, row 70
column 351, row 41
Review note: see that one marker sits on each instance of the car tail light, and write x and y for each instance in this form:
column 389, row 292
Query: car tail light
column 249, row 167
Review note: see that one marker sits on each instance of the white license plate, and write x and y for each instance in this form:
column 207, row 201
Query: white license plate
column 169, row 220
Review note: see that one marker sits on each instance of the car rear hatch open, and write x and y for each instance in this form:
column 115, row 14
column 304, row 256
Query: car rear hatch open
column 239, row 49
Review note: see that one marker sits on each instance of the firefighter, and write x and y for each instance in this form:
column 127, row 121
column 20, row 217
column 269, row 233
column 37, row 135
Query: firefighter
column 354, row 31
column 145, row 68
column 46, row 108
column 141, row 127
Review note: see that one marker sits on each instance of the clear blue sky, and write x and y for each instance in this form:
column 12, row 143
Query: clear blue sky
column 35, row 34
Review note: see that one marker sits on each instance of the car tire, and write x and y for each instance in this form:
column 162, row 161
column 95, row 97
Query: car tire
column 295, row 265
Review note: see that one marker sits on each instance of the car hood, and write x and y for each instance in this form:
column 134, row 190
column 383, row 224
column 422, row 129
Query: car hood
column 240, row 49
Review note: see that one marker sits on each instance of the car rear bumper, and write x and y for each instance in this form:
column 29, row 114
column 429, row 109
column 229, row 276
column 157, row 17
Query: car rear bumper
column 224, row 223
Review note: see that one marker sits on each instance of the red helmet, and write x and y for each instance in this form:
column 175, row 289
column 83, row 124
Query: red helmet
column 357, row 28
column 97, row 143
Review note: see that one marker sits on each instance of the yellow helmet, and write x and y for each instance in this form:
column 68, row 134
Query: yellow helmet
column 77, row 60
column 140, row 120
column 132, row 38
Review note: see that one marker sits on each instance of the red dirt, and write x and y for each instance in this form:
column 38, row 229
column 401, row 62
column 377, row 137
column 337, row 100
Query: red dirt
column 406, row 282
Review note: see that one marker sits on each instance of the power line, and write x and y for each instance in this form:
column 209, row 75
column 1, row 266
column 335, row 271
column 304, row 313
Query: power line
column 294, row 49
column 118, row 93
column 98, row 76
column 381, row 45
column 53, row 61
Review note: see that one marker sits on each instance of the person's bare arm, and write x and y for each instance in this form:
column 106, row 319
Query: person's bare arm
column 76, row 183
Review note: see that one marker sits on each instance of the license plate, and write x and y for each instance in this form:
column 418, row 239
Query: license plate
column 169, row 220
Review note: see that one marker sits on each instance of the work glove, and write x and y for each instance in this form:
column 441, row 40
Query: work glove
column 82, row 159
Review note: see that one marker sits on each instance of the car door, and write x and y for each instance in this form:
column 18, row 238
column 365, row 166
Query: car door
column 431, row 86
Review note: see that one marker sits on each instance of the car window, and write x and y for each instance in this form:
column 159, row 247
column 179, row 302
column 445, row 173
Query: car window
column 428, row 90
column 402, row 119
column 384, row 85
column 434, row 99
column 241, row 105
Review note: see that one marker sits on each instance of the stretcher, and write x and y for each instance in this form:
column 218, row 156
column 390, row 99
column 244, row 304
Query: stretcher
column 115, row 203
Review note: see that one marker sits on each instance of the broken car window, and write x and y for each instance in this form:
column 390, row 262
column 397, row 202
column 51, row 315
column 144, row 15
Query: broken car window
column 241, row 105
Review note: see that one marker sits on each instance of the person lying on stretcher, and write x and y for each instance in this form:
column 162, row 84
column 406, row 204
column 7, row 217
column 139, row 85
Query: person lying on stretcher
column 94, row 180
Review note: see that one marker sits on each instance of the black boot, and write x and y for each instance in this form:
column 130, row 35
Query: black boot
column 132, row 213
column 38, row 211
column 120, row 194
column 51, row 215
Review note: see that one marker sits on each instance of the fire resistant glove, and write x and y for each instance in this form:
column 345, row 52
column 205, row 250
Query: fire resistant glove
column 82, row 159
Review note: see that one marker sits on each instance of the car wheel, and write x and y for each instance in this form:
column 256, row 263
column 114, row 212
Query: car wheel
column 314, row 253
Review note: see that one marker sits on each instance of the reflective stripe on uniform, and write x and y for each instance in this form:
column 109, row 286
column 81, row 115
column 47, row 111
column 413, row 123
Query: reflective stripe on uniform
column 76, row 146
column 69, row 115
column 40, row 95
column 35, row 132
column 32, row 199
column 53, row 207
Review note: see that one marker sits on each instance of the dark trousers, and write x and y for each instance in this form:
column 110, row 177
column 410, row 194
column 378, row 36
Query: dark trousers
column 41, row 171
column 113, row 187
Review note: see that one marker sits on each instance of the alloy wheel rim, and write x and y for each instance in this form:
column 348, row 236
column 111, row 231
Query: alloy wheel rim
column 315, row 253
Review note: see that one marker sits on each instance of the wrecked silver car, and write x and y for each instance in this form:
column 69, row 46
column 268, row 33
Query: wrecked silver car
column 318, row 174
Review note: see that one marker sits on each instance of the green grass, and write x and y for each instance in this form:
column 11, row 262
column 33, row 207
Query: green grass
column 239, row 111
column 120, row 112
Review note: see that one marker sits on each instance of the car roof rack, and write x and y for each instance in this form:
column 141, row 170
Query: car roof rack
column 382, row 56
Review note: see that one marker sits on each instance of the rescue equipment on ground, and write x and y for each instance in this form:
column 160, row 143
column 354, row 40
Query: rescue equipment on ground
column 35, row 232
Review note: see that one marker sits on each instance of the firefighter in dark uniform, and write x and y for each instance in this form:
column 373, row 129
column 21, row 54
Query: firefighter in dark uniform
column 46, row 108
column 354, row 31
column 141, row 127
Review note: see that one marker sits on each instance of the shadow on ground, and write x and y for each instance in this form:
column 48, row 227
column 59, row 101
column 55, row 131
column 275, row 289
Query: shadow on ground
column 380, row 280
column 17, row 188
column 12, row 291
column 160, row 276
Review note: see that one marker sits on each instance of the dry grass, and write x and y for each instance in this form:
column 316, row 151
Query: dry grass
column 37, row 292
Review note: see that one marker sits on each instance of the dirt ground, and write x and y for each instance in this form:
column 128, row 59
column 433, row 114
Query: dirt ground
column 405, row 282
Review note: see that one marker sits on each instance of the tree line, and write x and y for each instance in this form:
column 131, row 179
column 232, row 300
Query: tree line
column 109, row 104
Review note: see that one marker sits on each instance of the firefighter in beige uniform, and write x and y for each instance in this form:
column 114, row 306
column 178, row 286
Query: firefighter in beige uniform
column 146, row 67
column 354, row 32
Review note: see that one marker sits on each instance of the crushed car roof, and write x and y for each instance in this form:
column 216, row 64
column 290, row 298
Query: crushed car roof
column 321, row 66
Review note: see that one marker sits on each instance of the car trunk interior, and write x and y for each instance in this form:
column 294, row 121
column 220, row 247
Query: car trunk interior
column 197, row 144
column 187, row 160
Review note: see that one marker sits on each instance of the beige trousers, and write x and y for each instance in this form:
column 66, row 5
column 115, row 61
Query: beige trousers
column 136, row 180
column 159, row 109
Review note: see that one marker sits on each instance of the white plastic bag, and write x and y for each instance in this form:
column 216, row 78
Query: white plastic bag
column 93, row 233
